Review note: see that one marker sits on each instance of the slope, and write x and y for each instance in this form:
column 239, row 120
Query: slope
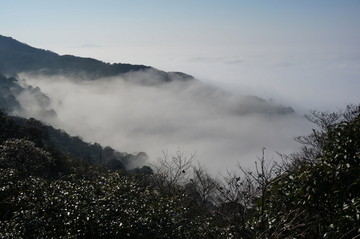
column 17, row 57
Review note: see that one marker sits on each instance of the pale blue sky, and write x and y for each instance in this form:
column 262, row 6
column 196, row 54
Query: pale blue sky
column 176, row 23
column 304, row 52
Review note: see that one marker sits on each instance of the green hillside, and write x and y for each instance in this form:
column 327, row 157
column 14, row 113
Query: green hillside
column 49, row 192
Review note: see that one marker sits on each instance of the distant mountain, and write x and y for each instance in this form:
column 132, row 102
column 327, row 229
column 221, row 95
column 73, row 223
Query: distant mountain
column 155, row 101
column 17, row 57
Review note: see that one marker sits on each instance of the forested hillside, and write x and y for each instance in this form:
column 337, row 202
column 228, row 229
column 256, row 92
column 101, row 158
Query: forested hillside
column 11, row 90
column 17, row 57
column 52, row 139
column 53, row 185
column 180, row 119
column 48, row 192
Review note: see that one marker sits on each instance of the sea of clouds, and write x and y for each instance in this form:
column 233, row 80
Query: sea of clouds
column 136, row 112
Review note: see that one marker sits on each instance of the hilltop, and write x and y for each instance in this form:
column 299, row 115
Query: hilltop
column 17, row 57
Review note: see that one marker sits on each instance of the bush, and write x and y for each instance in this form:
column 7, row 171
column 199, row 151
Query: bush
column 24, row 156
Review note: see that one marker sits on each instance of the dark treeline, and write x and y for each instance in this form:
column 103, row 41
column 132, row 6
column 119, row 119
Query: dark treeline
column 17, row 57
column 50, row 190
column 51, row 139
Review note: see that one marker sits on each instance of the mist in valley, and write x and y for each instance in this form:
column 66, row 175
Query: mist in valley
column 136, row 112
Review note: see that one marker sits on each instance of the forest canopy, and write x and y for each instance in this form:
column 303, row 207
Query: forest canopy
column 47, row 191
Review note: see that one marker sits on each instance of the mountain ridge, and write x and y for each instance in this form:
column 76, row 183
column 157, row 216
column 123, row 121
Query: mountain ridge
column 17, row 57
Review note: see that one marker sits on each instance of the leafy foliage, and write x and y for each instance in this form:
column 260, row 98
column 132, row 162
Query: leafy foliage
column 54, row 140
column 51, row 195
column 22, row 155
column 45, row 193
column 108, row 205
column 320, row 198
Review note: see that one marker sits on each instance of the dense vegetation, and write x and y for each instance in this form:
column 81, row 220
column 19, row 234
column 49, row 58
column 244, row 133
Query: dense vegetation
column 8, row 91
column 52, row 139
column 53, row 185
column 46, row 191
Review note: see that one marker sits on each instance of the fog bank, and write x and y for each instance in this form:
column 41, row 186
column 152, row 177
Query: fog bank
column 221, row 128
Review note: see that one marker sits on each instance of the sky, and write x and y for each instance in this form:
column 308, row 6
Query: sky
column 304, row 54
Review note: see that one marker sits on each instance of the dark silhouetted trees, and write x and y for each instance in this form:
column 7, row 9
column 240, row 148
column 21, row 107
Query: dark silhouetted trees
column 46, row 193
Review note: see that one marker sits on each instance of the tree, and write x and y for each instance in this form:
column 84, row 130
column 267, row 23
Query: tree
column 319, row 194
column 34, row 131
column 8, row 127
column 173, row 171
column 24, row 156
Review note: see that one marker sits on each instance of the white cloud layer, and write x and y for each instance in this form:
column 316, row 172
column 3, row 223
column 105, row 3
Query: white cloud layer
column 307, row 76
column 223, row 129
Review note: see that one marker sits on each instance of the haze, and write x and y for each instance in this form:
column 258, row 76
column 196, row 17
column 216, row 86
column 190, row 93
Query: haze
column 222, row 129
column 303, row 54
